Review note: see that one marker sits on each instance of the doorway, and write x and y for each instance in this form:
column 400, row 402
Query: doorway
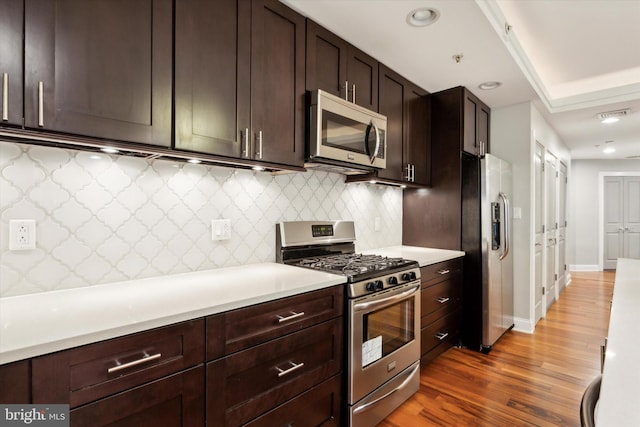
column 621, row 219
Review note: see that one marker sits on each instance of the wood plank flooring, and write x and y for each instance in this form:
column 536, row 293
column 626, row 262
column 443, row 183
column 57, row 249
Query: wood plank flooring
column 527, row 379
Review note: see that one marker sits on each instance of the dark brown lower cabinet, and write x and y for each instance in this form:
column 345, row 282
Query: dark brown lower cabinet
column 15, row 382
column 177, row 400
column 319, row 406
column 250, row 383
column 440, row 303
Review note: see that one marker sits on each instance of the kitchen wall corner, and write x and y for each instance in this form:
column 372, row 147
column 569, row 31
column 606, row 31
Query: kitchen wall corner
column 106, row 218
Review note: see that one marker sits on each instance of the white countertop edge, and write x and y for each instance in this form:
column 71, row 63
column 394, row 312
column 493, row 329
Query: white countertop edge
column 284, row 281
column 424, row 256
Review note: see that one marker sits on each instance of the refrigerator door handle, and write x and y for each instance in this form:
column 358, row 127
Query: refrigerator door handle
column 507, row 225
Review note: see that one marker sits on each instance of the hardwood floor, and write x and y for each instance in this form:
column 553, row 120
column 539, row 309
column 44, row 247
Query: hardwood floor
column 527, row 379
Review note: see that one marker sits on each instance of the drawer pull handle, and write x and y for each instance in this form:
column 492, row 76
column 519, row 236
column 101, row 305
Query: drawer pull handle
column 442, row 335
column 145, row 359
column 294, row 367
column 443, row 271
column 442, row 300
column 294, row 315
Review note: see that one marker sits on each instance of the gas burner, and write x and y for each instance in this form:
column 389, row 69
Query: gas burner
column 353, row 265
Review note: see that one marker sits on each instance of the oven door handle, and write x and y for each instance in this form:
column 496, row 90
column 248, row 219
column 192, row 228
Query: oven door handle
column 373, row 305
column 400, row 387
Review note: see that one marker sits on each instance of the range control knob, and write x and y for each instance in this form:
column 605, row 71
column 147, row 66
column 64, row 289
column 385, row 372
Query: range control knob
column 379, row 285
column 371, row 286
column 409, row 276
column 393, row 280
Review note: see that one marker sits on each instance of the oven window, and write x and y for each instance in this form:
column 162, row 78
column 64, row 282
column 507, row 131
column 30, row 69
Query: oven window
column 392, row 325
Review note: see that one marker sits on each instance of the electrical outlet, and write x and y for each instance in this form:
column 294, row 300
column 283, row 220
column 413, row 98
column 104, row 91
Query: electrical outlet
column 22, row 234
column 220, row 229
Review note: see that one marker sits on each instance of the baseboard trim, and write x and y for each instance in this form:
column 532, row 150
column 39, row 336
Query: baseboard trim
column 585, row 267
column 523, row 325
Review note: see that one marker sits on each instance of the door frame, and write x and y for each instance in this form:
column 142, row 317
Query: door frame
column 601, row 177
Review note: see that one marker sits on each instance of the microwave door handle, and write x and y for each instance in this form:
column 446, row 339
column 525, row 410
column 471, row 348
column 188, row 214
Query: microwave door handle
column 375, row 151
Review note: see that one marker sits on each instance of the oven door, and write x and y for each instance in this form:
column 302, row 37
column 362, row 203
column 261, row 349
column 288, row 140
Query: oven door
column 347, row 133
column 384, row 337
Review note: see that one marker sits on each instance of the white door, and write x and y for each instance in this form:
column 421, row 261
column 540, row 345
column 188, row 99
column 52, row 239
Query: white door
column 613, row 220
column 538, row 161
column 562, row 225
column 631, row 217
column 551, row 291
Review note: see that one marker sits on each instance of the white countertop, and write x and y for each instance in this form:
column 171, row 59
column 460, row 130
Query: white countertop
column 424, row 256
column 36, row 324
column 620, row 389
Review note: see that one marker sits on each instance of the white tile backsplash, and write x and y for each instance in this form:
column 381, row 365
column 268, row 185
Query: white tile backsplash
column 104, row 218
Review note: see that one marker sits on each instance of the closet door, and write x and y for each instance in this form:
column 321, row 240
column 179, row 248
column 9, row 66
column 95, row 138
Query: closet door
column 540, row 308
column 552, row 228
column 562, row 225
column 613, row 221
column 631, row 209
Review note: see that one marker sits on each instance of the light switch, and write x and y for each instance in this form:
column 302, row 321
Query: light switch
column 220, row 229
column 517, row 213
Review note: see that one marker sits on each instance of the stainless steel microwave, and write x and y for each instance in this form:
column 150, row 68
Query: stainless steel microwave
column 342, row 133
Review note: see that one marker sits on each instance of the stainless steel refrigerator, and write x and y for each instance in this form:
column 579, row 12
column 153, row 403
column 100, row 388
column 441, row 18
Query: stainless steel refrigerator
column 486, row 239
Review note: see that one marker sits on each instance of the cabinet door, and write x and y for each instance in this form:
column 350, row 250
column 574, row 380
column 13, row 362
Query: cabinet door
column 470, row 137
column 15, row 381
column 177, row 400
column 211, row 78
column 326, row 60
column 417, row 149
column 11, row 33
column 277, row 83
column 392, row 105
column 362, row 78
column 101, row 68
column 482, row 123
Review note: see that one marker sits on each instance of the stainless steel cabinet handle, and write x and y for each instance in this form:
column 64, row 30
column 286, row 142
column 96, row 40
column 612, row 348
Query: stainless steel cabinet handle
column 145, row 359
column 353, row 93
column 408, row 177
column 245, row 137
column 294, row 315
column 5, row 96
column 41, row 104
column 441, row 335
column 294, row 367
column 442, row 300
column 259, row 146
column 346, row 90
column 413, row 173
column 443, row 272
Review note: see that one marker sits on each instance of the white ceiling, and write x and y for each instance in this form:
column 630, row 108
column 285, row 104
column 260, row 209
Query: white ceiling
column 572, row 58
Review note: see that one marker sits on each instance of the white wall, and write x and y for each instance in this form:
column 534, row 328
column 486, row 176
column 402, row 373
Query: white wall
column 108, row 218
column 584, row 251
column 514, row 132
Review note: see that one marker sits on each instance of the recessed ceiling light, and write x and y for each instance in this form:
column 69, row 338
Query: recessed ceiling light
column 609, row 120
column 422, row 17
column 489, row 85
column 609, row 150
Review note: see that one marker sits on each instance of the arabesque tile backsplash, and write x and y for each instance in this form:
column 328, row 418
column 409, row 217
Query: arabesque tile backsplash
column 106, row 218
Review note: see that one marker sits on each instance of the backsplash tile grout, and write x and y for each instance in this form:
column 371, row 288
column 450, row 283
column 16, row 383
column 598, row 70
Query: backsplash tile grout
column 105, row 218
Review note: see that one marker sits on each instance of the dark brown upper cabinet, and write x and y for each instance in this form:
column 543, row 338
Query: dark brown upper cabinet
column 212, row 78
column 476, row 124
column 339, row 68
column 101, row 68
column 240, row 80
column 408, row 117
column 11, row 35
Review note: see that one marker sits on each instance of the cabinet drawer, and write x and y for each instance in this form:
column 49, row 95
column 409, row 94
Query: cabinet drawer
column 440, row 271
column 319, row 406
column 91, row 372
column 177, row 400
column 445, row 329
column 440, row 299
column 251, row 382
column 239, row 329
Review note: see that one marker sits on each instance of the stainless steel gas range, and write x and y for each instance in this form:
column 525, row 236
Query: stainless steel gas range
column 383, row 314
